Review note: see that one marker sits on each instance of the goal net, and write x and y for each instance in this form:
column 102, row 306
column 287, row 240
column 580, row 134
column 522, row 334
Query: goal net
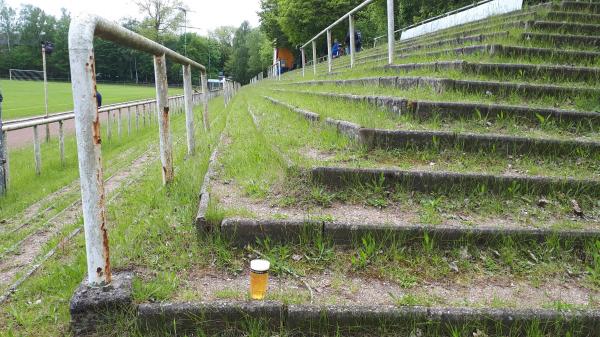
column 26, row 75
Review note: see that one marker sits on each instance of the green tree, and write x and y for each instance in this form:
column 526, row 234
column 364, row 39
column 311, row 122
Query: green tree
column 237, row 65
column 161, row 18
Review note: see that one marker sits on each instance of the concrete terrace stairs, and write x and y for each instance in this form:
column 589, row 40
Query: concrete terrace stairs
column 539, row 68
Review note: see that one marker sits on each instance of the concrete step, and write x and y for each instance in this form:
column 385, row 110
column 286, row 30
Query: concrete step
column 553, row 73
column 440, row 85
column 242, row 317
column 451, row 182
column 462, row 110
column 566, row 27
column 469, row 142
column 460, row 40
column 581, row 6
column 547, row 54
column 564, row 39
column 573, row 17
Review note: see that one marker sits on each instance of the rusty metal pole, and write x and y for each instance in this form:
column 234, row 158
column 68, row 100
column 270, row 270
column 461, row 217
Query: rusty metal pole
column 189, row 108
column 87, row 128
column 205, row 97
column 162, row 99
column 61, row 142
column 3, row 158
column 37, row 153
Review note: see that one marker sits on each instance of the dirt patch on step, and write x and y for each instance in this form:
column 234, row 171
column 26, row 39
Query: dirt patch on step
column 335, row 288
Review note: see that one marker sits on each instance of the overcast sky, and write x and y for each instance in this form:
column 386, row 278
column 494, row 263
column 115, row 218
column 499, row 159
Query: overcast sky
column 204, row 14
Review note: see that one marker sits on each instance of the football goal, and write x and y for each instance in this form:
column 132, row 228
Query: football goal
column 25, row 75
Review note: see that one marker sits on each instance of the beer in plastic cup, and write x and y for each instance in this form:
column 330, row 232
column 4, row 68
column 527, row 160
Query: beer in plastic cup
column 259, row 278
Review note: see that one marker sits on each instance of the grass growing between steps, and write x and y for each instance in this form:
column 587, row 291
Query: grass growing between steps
column 429, row 94
column 371, row 116
column 313, row 144
column 149, row 229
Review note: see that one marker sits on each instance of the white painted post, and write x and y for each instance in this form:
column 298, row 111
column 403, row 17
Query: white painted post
column 137, row 117
column 61, row 142
column 45, row 91
column 205, row 97
column 314, row 50
column 391, row 28
column 109, row 124
column 83, row 79
column 352, row 40
column 129, row 121
column 3, row 157
column 37, row 153
column 162, row 98
column 329, row 51
column 144, row 115
column 119, row 123
column 189, row 108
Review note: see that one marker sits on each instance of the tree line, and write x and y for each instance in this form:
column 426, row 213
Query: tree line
column 237, row 52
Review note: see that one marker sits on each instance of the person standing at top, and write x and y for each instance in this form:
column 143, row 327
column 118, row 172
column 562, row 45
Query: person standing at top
column 336, row 48
column 357, row 42
column 98, row 99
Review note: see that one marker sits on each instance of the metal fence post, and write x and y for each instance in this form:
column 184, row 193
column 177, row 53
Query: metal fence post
column 61, row 142
column 137, row 117
column 128, row 120
column 391, row 28
column 109, row 125
column 37, row 152
column 3, row 158
column 352, row 39
column 119, row 123
column 329, row 51
column 314, row 50
column 83, row 74
column 205, row 97
column 189, row 108
column 143, row 115
column 162, row 104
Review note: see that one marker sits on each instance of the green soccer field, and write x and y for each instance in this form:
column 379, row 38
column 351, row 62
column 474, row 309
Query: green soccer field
column 26, row 98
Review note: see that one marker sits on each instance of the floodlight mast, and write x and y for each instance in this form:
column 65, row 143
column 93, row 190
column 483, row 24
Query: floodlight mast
column 82, row 30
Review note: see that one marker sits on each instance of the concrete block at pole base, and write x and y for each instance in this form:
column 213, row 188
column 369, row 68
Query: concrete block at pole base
column 95, row 309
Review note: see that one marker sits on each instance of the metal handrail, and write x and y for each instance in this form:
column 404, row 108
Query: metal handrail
column 82, row 31
column 344, row 17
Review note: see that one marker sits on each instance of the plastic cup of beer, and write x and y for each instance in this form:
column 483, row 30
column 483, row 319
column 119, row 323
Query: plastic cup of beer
column 259, row 278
